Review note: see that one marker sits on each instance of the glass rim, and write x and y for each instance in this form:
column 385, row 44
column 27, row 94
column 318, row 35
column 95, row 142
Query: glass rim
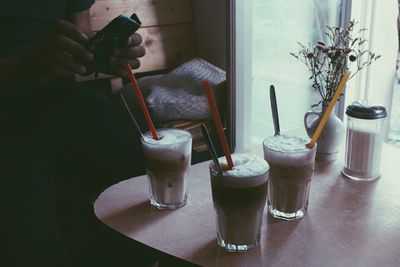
column 212, row 169
column 148, row 133
column 291, row 152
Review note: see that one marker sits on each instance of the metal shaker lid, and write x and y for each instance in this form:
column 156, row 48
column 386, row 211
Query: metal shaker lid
column 363, row 111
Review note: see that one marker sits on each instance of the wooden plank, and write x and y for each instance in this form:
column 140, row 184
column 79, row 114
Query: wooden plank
column 150, row 12
column 166, row 48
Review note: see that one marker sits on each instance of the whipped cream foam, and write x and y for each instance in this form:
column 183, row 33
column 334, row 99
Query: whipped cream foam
column 167, row 137
column 248, row 171
column 288, row 150
column 169, row 145
column 287, row 143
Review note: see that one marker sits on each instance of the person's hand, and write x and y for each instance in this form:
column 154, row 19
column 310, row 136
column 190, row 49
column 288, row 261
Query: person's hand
column 127, row 55
column 60, row 52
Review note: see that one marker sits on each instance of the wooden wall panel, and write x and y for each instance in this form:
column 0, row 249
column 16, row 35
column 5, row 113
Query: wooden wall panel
column 167, row 46
column 150, row 12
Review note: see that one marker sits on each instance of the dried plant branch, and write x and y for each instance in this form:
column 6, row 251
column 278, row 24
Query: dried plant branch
column 327, row 62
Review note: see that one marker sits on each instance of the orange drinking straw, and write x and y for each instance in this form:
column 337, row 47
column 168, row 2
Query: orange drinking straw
column 141, row 101
column 218, row 124
column 329, row 109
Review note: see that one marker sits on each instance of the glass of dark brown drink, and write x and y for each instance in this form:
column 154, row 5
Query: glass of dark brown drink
column 239, row 197
column 167, row 161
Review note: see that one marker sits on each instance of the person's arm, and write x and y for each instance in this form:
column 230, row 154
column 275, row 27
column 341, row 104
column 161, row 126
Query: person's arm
column 58, row 53
column 14, row 74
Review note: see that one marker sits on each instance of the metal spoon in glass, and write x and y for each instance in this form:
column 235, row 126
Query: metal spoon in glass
column 130, row 114
column 274, row 108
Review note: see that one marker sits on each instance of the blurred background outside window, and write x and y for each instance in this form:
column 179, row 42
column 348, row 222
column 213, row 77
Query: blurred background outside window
column 268, row 30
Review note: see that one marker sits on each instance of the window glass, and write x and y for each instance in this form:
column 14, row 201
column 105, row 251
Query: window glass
column 277, row 27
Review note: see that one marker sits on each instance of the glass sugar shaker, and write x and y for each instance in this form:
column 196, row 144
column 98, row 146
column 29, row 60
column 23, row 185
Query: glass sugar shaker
column 364, row 138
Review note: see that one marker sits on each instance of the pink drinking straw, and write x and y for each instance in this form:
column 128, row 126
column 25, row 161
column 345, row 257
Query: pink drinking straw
column 141, row 101
column 218, row 124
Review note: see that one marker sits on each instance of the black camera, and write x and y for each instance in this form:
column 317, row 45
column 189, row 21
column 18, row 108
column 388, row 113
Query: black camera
column 113, row 35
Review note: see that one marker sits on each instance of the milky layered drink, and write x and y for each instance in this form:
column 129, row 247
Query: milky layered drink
column 239, row 197
column 167, row 161
column 291, row 168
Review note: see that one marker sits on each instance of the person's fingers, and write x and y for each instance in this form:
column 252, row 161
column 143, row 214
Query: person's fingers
column 118, row 66
column 121, row 62
column 63, row 27
column 130, row 52
column 57, row 71
column 67, row 63
column 73, row 48
column 134, row 40
column 119, row 71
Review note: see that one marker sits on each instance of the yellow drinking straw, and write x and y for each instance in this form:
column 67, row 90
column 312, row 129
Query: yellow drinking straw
column 329, row 109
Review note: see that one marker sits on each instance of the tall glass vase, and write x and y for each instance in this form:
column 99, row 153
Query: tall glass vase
column 331, row 137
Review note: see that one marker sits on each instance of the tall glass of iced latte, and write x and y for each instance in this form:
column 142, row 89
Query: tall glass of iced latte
column 167, row 161
column 291, row 168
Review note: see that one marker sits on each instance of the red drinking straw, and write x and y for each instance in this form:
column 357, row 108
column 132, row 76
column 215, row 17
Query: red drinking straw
column 218, row 124
column 141, row 101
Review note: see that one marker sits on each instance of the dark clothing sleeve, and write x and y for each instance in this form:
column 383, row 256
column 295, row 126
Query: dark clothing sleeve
column 62, row 149
column 73, row 6
column 23, row 22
